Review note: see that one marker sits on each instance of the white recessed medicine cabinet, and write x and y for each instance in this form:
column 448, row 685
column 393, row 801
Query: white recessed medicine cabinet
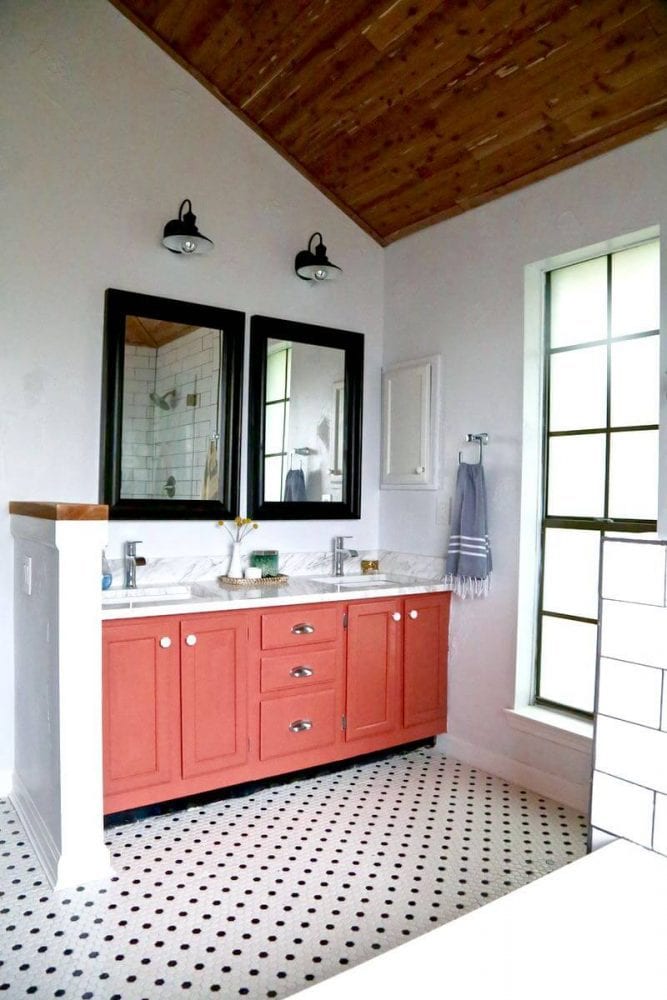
column 410, row 419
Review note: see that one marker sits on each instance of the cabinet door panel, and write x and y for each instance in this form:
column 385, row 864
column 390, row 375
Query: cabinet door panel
column 425, row 659
column 213, row 693
column 140, row 704
column 373, row 645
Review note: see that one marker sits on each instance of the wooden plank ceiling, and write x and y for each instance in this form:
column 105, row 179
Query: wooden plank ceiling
column 409, row 112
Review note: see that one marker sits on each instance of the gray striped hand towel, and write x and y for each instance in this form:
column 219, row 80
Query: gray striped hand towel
column 468, row 562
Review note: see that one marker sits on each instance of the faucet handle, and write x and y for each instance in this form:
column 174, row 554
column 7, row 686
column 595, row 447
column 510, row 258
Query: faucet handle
column 131, row 547
column 339, row 539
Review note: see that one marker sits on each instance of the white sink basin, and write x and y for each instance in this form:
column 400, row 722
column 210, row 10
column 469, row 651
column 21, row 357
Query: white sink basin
column 359, row 581
column 137, row 595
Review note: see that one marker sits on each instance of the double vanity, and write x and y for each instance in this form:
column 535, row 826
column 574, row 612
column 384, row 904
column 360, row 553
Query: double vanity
column 154, row 693
column 209, row 686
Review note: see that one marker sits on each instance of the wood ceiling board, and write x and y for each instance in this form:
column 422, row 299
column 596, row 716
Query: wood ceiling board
column 153, row 333
column 407, row 112
column 454, row 106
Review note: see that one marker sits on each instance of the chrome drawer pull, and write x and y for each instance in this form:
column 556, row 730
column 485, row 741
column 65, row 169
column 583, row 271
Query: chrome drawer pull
column 303, row 628
column 302, row 672
column 300, row 726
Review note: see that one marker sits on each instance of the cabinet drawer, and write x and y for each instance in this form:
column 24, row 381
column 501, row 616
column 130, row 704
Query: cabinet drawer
column 297, row 671
column 297, row 722
column 299, row 627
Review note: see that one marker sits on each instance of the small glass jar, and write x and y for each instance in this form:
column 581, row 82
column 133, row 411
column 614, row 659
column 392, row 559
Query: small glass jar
column 266, row 560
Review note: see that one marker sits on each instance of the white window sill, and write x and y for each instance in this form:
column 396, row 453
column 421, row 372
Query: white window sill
column 553, row 726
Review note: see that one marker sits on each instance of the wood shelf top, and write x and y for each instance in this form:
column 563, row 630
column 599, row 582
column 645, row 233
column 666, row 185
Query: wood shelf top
column 55, row 511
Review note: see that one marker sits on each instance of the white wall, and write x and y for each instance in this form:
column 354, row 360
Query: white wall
column 458, row 289
column 104, row 137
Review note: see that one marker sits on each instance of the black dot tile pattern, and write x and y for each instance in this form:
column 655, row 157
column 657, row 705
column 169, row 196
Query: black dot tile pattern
column 262, row 895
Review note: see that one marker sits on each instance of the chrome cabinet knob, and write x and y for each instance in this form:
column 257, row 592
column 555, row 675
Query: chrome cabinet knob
column 419, row 469
column 191, row 640
column 396, row 616
column 413, row 614
column 165, row 642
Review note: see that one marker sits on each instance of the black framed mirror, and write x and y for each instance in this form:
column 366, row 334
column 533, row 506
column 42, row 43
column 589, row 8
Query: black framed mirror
column 304, row 421
column 171, row 408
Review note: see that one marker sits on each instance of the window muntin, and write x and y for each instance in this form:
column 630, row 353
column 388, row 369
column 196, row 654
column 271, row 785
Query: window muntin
column 601, row 450
column 276, row 420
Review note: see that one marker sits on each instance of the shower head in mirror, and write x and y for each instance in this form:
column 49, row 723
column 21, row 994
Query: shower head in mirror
column 161, row 401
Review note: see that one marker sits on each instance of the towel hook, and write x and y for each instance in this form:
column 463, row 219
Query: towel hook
column 481, row 439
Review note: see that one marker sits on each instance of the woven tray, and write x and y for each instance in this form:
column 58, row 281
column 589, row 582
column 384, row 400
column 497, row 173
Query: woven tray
column 263, row 581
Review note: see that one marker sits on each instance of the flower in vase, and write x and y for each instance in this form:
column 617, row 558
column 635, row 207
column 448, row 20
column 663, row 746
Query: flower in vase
column 240, row 527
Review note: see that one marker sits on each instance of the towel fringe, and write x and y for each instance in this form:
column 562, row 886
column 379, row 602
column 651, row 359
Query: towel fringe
column 468, row 586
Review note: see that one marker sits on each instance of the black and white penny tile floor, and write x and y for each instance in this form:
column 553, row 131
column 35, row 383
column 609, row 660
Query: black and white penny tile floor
column 262, row 895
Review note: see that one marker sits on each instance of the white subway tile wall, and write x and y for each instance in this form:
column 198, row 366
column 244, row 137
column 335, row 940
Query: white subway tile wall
column 625, row 808
column 634, row 573
column 630, row 691
column 660, row 824
column 159, row 444
column 629, row 797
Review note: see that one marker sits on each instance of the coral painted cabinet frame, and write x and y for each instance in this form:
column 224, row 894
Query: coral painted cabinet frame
column 214, row 727
column 373, row 668
column 425, row 632
column 141, row 705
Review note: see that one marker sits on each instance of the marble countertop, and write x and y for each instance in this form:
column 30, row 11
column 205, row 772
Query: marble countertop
column 215, row 596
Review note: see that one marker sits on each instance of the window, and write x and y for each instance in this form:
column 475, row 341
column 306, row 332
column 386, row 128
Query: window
column 600, row 450
column 276, row 416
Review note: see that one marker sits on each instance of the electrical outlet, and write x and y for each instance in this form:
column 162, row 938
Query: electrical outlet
column 26, row 580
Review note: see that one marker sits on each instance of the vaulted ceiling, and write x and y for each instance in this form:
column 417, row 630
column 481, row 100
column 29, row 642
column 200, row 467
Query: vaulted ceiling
column 407, row 112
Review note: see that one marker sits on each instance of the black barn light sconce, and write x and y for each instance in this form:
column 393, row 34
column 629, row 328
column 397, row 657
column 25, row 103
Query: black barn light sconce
column 315, row 266
column 182, row 236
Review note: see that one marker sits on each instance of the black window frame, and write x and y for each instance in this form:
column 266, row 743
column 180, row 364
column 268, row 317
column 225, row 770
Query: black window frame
column 603, row 524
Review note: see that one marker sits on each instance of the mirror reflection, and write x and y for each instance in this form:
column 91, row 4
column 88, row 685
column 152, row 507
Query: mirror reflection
column 304, row 406
column 304, row 420
column 171, row 408
column 171, row 411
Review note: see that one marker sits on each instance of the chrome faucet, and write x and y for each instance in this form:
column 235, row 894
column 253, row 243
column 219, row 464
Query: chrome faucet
column 340, row 554
column 130, row 563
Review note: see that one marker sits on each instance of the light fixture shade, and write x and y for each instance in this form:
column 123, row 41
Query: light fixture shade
column 315, row 266
column 182, row 236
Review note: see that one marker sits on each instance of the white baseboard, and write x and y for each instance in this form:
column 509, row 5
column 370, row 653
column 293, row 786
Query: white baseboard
column 62, row 869
column 43, row 844
column 550, row 785
column 5, row 783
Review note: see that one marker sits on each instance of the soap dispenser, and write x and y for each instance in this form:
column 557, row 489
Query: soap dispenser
column 106, row 571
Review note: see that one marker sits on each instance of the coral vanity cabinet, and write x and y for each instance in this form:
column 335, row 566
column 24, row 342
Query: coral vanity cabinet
column 203, row 701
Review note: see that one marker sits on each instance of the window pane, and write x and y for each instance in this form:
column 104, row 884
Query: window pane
column 579, row 303
column 275, row 375
column 576, row 476
column 567, row 667
column 635, row 289
column 571, row 562
column 635, row 382
column 273, row 478
column 633, row 475
column 273, row 435
column 578, row 389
